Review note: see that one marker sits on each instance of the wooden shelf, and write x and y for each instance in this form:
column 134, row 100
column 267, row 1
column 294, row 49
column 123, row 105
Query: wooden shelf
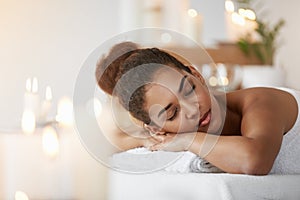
column 230, row 53
column 227, row 53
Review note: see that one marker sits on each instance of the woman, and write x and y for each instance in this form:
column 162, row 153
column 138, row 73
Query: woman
column 176, row 107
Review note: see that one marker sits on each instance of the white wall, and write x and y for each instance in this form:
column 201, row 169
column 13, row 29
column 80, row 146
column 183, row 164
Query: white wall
column 288, row 55
column 214, row 28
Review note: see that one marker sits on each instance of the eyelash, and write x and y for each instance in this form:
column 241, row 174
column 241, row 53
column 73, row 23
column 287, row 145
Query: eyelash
column 191, row 91
column 176, row 109
column 174, row 115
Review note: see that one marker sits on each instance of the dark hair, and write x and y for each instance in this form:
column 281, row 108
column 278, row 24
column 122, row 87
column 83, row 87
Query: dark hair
column 115, row 74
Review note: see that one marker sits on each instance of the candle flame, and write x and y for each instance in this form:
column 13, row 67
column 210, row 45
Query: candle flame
column 34, row 85
column 28, row 85
column 48, row 93
column 238, row 19
column 192, row 13
column 28, row 122
column 223, row 81
column 50, row 141
column 247, row 13
column 213, row 81
column 229, row 6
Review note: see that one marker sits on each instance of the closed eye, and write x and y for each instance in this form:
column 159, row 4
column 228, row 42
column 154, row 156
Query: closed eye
column 190, row 91
column 174, row 115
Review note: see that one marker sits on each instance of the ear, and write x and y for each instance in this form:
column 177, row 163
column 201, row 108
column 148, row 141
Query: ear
column 196, row 73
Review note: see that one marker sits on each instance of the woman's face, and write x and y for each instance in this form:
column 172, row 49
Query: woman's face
column 180, row 102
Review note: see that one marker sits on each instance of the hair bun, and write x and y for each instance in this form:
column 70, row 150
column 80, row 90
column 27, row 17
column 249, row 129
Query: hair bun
column 109, row 66
column 122, row 48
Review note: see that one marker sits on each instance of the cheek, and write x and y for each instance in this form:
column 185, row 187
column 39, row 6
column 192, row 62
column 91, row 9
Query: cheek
column 170, row 126
column 203, row 97
column 178, row 125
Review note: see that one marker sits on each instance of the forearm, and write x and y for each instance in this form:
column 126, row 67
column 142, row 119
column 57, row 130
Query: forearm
column 121, row 137
column 124, row 142
column 233, row 154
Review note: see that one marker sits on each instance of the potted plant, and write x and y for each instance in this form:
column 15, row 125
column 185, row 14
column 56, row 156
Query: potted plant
column 264, row 48
column 266, row 45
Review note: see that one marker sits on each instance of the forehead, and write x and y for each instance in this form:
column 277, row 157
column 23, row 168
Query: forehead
column 164, row 86
column 168, row 78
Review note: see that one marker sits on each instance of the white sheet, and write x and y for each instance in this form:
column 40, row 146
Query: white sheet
column 196, row 186
column 175, row 181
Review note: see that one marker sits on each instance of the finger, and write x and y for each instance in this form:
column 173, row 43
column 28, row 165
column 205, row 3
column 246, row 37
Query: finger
column 156, row 147
column 152, row 148
column 160, row 133
column 167, row 138
column 159, row 138
column 150, row 142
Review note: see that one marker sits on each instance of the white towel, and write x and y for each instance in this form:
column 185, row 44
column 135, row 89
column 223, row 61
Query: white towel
column 288, row 158
column 219, row 186
column 201, row 165
column 140, row 160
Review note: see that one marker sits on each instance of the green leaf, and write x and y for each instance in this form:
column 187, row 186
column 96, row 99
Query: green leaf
column 244, row 46
column 264, row 49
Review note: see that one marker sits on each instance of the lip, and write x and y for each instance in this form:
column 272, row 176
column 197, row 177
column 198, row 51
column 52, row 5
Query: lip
column 205, row 119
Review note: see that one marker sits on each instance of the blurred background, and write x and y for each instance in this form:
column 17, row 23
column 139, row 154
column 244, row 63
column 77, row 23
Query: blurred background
column 44, row 43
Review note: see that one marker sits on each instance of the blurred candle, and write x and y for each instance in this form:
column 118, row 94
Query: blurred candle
column 28, row 85
column 46, row 105
column 240, row 24
column 247, row 13
column 193, row 25
column 28, row 122
column 34, row 85
column 152, row 14
column 31, row 170
column 65, row 112
column 19, row 195
column 238, row 19
column 31, row 97
column 50, row 141
column 235, row 26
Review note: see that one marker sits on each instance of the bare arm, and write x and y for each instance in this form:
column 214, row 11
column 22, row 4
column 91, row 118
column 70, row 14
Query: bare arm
column 264, row 122
column 236, row 154
column 233, row 154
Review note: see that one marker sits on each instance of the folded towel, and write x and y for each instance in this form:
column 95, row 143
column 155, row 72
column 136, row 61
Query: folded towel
column 141, row 160
column 201, row 165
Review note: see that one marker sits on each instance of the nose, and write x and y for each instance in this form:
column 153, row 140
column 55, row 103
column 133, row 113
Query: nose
column 191, row 110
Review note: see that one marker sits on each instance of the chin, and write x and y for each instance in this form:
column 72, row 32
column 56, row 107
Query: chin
column 215, row 127
column 187, row 130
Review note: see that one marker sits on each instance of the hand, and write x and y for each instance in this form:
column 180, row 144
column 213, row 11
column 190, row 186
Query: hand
column 153, row 139
column 174, row 142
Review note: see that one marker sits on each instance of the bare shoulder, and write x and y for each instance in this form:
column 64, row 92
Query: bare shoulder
column 261, row 96
column 267, row 108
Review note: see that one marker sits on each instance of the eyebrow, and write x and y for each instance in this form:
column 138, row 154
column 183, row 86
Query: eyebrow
column 182, row 83
column 179, row 90
column 164, row 109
